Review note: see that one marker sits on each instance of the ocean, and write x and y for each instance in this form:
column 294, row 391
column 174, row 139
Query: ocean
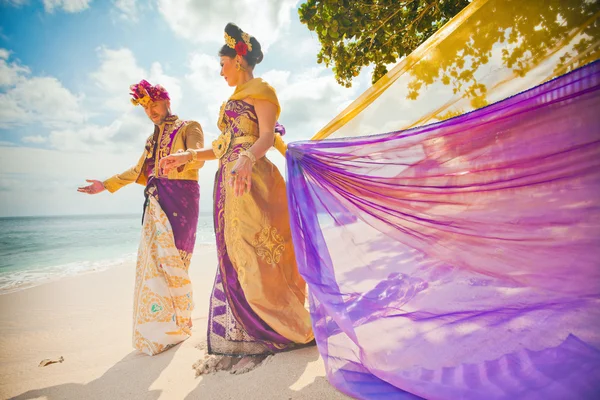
column 34, row 250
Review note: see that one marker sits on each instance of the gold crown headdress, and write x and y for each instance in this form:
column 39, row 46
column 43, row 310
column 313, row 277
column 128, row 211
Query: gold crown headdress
column 143, row 93
column 242, row 47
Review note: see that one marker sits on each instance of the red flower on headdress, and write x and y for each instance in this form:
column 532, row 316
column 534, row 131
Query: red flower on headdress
column 241, row 48
column 144, row 92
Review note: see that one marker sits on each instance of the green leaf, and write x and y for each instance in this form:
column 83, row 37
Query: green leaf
column 356, row 34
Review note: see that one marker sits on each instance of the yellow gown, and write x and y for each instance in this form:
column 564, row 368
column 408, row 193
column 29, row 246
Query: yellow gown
column 258, row 301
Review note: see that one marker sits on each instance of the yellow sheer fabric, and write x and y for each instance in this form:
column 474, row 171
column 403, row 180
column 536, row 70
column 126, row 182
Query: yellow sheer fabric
column 493, row 49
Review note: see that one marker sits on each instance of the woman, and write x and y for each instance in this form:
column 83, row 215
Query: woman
column 257, row 303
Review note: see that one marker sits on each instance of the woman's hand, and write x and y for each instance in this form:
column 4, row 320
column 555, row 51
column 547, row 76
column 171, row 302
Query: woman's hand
column 168, row 163
column 241, row 176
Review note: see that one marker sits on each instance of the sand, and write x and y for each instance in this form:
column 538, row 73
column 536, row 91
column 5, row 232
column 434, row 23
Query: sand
column 86, row 319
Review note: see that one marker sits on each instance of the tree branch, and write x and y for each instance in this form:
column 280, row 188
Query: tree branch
column 386, row 21
column 416, row 20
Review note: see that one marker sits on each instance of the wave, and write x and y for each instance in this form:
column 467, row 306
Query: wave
column 15, row 280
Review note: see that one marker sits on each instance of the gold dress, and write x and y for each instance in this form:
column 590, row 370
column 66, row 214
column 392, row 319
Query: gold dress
column 258, row 301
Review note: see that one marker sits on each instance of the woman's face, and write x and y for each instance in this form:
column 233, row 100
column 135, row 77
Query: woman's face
column 228, row 70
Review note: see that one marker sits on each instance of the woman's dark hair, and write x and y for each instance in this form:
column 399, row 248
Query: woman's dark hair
column 252, row 57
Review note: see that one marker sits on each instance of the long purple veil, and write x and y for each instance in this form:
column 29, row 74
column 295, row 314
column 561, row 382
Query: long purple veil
column 459, row 259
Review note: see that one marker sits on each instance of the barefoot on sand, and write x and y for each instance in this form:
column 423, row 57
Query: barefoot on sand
column 247, row 364
column 212, row 364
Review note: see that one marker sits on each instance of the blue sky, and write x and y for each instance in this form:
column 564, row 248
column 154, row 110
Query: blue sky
column 65, row 68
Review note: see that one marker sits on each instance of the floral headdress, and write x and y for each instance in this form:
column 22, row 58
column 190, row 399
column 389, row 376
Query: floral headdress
column 143, row 93
column 242, row 47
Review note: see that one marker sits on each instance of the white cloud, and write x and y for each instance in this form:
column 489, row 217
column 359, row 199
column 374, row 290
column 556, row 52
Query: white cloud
column 211, row 89
column 303, row 50
column 48, row 186
column 119, row 69
column 127, row 10
column 171, row 83
column 133, row 129
column 85, row 138
column 309, row 99
column 10, row 73
column 15, row 3
column 265, row 20
column 44, row 100
column 35, row 139
column 81, row 147
column 125, row 134
column 71, row 6
column 40, row 100
column 204, row 72
column 11, row 113
column 277, row 78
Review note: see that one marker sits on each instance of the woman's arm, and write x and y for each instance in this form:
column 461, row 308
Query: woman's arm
column 172, row 161
column 267, row 117
column 241, row 178
column 194, row 140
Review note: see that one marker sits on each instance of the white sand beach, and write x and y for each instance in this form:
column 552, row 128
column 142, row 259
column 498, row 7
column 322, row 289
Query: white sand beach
column 86, row 319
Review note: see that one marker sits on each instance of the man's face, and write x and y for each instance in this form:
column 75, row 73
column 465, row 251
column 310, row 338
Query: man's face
column 157, row 111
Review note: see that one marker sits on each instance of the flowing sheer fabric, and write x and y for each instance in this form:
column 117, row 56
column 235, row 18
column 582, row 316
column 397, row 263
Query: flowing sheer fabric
column 459, row 259
column 491, row 50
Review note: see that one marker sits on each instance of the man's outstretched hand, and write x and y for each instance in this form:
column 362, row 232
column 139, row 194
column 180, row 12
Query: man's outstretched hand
column 95, row 187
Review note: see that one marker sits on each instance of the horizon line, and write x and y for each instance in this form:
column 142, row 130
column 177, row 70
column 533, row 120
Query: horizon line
column 82, row 215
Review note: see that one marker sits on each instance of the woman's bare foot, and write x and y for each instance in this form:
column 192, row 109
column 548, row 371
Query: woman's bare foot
column 247, row 364
column 212, row 364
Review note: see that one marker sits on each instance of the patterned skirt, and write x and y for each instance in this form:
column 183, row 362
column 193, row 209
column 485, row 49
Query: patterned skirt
column 163, row 300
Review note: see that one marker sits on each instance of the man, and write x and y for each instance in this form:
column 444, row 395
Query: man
column 163, row 294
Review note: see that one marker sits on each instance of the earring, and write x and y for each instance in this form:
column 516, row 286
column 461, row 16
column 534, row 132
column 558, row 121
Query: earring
column 238, row 66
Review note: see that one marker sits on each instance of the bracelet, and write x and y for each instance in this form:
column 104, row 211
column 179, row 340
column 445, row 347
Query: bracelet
column 248, row 153
column 193, row 154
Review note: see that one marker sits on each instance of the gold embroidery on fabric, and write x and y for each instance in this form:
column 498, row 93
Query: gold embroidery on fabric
column 269, row 245
column 139, row 342
column 163, row 294
column 234, row 331
column 152, row 191
column 165, row 139
column 222, row 122
column 178, row 281
column 236, row 341
column 232, row 230
column 154, row 308
column 221, row 144
column 183, row 303
column 242, row 125
column 246, row 125
column 186, row 258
